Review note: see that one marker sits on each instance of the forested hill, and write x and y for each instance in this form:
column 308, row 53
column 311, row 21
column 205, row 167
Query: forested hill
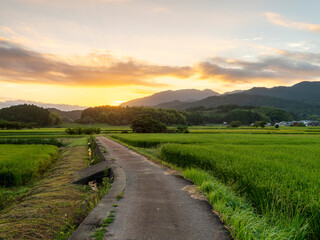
column 301, row 110
column 306, row 92
column 187, row 95
column 27, row 114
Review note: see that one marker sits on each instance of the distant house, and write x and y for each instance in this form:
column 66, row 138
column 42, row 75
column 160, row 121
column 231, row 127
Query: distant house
column 283, row 124
column 307, row 123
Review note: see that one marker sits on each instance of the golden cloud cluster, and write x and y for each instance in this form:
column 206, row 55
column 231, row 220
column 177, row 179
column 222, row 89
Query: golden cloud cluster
column 21, row 65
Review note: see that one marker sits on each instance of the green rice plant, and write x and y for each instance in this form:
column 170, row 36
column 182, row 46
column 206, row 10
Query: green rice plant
column 153, row 140
column 44, row 141
column 236, row 212
column 21, row 163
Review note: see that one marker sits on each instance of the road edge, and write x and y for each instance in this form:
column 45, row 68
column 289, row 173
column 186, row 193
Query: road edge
column 96, row 217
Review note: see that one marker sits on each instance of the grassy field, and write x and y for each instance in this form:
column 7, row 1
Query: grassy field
column 152, row 140
column 21, row 163
column 274, row 178
column 58, row 132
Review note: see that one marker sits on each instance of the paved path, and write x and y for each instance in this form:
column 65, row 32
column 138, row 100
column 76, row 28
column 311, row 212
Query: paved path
column 156, row 205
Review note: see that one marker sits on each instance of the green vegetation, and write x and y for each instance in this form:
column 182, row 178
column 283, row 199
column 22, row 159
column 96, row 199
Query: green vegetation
column 235, row 124
column 301, row 109
column 20, row 164
column 29, row 114
column 48, row 205
column 120, row 195
column 124, row 115
column 67, row 116
column 43, row 141
column 223, row 136
column 146, row 124
column 80, row 130
column 99, row 233
column 15, row 125
column 192, row 116
column 245, row 114
column 235, row 211
column 94, row 155
column 265, row 186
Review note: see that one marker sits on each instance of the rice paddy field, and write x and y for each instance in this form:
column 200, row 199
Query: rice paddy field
column 21, row 163
column 264, row 186
column 58, row 132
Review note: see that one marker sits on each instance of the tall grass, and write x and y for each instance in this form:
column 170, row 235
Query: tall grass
column 21, row 163
column 236, row 212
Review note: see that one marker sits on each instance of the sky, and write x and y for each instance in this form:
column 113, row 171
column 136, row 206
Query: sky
column 99, row 52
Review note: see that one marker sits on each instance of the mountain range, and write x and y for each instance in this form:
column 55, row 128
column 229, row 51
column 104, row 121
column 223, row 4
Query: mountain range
column 185, row 95
column 302, row 99
column 307, row 92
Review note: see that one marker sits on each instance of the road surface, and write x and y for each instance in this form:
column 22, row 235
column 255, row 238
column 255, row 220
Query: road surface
column 157, row 204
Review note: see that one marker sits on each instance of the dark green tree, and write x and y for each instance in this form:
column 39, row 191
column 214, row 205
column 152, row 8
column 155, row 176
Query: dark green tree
column 235, row 124
column 146, row 124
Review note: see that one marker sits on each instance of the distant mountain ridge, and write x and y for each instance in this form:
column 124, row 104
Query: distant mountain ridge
column 61, row 107
column 185, row 95
column 302, row 99
column 307, row 92
column 299, row 108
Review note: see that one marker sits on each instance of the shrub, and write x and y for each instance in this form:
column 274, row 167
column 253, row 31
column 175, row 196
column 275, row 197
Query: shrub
column 79, row 130
column 171, row 131
column 15, row 125
column 182, row 129
column 235, row 124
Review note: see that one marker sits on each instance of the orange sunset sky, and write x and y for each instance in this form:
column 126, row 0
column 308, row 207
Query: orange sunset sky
column 98, row 52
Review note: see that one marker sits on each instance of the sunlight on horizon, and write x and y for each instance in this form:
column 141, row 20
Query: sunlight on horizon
column 65, row 52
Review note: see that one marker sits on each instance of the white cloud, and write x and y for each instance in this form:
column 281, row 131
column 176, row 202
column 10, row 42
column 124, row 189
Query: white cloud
column 281, row 21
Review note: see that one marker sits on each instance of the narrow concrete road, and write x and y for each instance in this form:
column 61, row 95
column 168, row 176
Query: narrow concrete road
column 156, row 204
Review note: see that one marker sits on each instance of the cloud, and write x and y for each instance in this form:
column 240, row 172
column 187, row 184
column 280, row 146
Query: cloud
column 284, row 67
column 21, row 65
column 280, row 20
column 18, row 64
column 74, row 1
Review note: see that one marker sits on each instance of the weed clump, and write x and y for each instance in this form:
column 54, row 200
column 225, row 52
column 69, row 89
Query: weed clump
column 80, row 130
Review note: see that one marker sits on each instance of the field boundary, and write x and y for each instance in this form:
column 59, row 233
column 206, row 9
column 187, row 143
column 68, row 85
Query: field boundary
column 97, row 216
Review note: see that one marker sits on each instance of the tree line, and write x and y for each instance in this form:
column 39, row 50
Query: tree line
column 117, row 115
column 245, row 114
column 29, row 116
